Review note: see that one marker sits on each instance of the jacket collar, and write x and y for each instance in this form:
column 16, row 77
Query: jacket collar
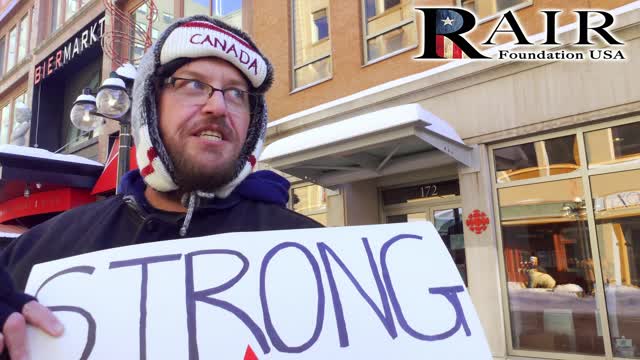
column 263, row 186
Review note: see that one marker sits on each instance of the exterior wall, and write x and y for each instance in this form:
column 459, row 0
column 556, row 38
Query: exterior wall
column 361, row 203
column 485, row 102
column 482, row 254
column 14, row 82
column 272, row 29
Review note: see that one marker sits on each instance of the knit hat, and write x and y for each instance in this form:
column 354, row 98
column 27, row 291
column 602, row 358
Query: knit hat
column 190, row 38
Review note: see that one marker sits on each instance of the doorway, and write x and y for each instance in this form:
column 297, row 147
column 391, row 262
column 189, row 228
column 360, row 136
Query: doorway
column 442, row 208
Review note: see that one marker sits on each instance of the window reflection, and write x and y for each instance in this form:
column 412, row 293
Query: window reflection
column 549, row 268
column 311, row 201
column 485, row 8
column 5, row 126
column 390, row 27
column 229, row 11
column 613, row 145
column 141, row 19
column 448, row 223
column 537, row 159
column 312, row 42
column 616, row 202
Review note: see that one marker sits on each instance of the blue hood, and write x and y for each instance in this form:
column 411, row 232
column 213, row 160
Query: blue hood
column 265, row 186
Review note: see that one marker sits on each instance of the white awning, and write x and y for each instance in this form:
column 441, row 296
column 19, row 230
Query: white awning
column 385, row 142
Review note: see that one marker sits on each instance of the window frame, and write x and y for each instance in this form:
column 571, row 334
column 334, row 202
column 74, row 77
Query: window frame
column 13, row 58
column 10, row 124
column 366, row 37
column 497, row 14
column 27, row 19
column 313, row 21
column 583, row 175
column 62, row 13
column 27, row 37
column 3, row 60
column 294, row 87
column 211, row 10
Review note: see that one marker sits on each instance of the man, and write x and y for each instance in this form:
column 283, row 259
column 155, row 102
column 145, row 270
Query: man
column 199, row 122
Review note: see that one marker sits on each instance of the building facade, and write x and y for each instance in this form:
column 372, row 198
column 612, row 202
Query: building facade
column 528, row 170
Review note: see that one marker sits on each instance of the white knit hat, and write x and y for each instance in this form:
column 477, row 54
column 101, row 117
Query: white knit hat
column 189, row 38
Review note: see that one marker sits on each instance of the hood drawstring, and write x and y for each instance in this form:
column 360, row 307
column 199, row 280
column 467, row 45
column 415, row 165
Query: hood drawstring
column 191, row 208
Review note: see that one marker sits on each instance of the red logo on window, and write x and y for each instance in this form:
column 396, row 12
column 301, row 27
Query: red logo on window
column 477, row 221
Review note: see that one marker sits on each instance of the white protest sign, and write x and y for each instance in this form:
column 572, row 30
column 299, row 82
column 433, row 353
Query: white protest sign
column 368, row 292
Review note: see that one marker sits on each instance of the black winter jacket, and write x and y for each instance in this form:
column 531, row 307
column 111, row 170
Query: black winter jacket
column 256, row 204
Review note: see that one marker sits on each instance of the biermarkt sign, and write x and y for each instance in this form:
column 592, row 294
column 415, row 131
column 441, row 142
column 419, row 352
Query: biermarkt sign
column 88, row 37
column 369, row 292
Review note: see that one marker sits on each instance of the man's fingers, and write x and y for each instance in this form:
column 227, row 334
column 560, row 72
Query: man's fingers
column 15, row 334
column 1, row 343
column 38, row 315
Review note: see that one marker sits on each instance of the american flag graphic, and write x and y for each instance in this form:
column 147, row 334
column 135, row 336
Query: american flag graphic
column 448, row 21
column 447, row 49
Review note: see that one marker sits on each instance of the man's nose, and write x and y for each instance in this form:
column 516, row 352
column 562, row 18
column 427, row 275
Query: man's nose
column 215, row 104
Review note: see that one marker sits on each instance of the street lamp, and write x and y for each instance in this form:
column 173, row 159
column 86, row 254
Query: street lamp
column 113, row 101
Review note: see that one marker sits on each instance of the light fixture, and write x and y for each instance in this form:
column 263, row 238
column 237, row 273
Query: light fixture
column 113, row 100
column 83, row 112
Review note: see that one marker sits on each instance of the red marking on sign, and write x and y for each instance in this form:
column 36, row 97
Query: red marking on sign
column 249, row 354
column 148, row 170
column 252, row 160
column 477, row 221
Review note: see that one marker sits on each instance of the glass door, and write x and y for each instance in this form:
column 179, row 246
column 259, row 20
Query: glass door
column 448, row 221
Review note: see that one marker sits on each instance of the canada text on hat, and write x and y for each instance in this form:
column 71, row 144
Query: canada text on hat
column 196, row 39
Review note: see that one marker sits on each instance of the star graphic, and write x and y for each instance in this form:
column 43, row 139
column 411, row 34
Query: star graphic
column 448, row 21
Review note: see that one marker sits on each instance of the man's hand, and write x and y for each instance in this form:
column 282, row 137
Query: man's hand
column 14, row 331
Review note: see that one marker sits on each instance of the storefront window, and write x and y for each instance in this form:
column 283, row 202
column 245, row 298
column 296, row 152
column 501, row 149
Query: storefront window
column 537, row 159
column 23, row 37
column 550, row 274
column 2, row 52
column 310, row 200
column 56, row 11
column 11, row 56
column 486, row 8
column 615, row 145
column 71, row 8
column 141, row 18
column 5, row 126
column 230, row 11
column 390, row 27
column 312, row 43
column 616, row 203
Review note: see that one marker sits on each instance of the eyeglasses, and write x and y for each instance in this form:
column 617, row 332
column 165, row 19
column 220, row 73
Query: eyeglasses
column 195, row 92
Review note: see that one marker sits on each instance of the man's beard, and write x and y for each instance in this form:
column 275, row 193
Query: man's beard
column 190, row 178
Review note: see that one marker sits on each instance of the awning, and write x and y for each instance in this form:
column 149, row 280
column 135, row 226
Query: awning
column 385, row 142
column 44, row 202
column 109, row 177
column 35, row 181
column 38, row 170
